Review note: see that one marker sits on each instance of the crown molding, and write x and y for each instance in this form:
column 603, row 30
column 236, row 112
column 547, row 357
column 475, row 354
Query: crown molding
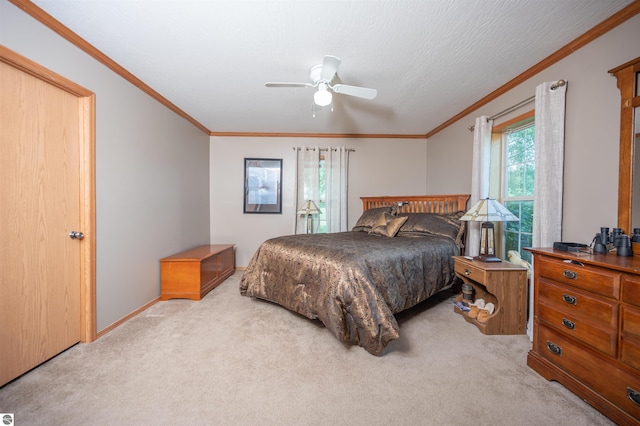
column 318, row 135
column 607, row 25
column 56, row 26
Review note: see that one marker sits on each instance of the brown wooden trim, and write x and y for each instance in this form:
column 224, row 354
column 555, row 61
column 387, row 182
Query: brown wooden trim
column 499, row 128
column 626, row 79
column 419, row 203
column 88, row 219
column 86, row 111
column 635, row 62
column 55, row 25
column 26, row 65
column 600, row 29
column 127, row 317
column 317, row 135
column 613, row 21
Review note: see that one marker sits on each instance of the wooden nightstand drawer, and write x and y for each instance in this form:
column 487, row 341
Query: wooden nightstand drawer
column 596, row 280
column 603, row 339
column 579, row 303
column 470, row 271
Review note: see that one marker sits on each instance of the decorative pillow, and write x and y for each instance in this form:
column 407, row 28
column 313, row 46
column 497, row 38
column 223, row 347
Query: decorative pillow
column 371, row 216
column 388, row 225
column 446, row 225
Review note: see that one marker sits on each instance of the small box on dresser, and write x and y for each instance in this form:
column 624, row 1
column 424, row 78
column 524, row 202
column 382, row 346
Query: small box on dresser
column 192, row 273
column 587, row 328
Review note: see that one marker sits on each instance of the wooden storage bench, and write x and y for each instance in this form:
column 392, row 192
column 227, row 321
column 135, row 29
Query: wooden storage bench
column 193, row 273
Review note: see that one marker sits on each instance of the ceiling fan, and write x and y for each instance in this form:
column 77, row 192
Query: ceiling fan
column 322, row 75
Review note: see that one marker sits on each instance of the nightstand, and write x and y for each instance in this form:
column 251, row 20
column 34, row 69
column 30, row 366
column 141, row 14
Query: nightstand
column 501, row 283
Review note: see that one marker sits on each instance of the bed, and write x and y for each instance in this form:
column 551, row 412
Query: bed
column 398, row 254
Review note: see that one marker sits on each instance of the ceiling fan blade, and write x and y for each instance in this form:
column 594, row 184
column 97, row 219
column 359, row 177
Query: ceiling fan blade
column 330, row 66
column 271, row 84
column 360, row 92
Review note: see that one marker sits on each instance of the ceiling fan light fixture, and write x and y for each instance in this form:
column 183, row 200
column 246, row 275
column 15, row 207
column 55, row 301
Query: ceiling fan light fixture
column 322, row 97
column 322, row 75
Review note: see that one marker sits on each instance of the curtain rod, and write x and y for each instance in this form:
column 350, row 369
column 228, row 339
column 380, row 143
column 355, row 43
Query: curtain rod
column 554, row 86
column 298, row 148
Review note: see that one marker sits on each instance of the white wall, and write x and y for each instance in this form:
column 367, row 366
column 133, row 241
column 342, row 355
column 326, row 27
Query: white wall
column 152, row 171
column 591, row 135
column 377, row 167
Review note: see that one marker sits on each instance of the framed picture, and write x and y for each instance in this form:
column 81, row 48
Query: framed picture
column 263, row 185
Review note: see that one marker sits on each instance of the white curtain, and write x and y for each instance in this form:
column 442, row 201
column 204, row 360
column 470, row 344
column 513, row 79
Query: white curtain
column 549, row 169
column 480, row 169
column 336, row 168
column 307, row 182
column 336, row 176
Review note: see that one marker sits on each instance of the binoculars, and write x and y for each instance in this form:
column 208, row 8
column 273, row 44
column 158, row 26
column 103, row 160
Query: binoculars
column 605, row 241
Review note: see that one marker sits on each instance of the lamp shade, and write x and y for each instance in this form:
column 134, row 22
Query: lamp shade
column 486, row 211
column 489, row 210
column 309, row 207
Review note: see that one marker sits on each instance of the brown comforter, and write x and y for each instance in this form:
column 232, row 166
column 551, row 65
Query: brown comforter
column 351, row 281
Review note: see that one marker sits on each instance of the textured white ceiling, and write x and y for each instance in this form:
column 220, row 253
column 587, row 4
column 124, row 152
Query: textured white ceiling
column 428, row 59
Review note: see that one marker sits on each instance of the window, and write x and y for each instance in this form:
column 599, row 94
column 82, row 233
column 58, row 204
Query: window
column 516, row 140
column 321, row 219
column 322, row 176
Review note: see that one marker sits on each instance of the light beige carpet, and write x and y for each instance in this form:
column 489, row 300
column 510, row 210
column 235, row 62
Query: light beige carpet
column 231, row 360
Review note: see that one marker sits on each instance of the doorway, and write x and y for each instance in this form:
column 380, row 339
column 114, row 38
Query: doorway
column 47, row 215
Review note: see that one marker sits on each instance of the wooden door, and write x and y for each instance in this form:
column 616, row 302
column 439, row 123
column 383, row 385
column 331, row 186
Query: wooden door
column 42, row 131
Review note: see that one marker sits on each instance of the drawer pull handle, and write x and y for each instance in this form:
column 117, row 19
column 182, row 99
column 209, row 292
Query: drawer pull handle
column 554, row 349
column 569, row 324
column 633, row 396
column 570, row 274
column 572, row 300
column 467, row 272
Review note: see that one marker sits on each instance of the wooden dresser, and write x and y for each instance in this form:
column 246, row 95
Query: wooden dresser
column 193, row 273
column 587, row 328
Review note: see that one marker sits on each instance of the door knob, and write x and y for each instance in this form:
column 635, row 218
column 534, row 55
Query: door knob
column 76, row 235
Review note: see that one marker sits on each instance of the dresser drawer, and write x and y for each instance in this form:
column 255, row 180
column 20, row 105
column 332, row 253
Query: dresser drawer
column 630, row 336
column 579, row 303
column 590, row 278
column 603, row 339
column 630, row 351
column 597, row 372
column 631, row 290
column 630, row 324
column 473, row 273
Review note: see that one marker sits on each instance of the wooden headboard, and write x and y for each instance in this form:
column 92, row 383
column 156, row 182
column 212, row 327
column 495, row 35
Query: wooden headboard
column 419, row 203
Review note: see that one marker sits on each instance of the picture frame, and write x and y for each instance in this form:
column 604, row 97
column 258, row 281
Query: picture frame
column 263, row 185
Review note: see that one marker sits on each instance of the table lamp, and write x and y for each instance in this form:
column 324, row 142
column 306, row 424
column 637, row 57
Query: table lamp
column 308, row 209
column 487, row 211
